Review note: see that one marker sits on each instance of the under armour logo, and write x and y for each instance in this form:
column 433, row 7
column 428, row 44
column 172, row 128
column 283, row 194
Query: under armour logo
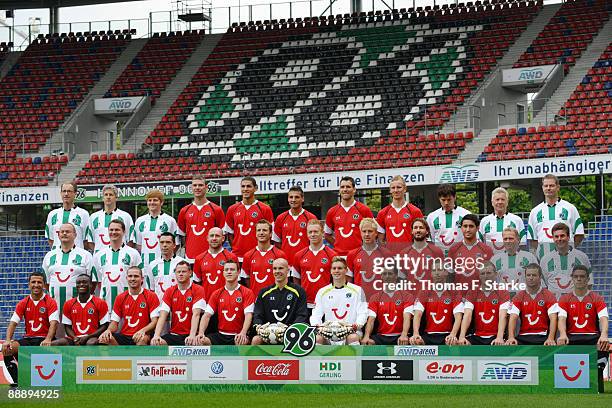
column 382, row 368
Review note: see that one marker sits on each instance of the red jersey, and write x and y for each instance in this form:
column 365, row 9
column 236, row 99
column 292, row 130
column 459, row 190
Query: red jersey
column 313, row 269
column 231, row 308
column 389, row 311
column 208, row 270
column 136, row 312
column 438, row 310
column 180, row 304
column 85, row 318
column 467, row 258
column 396, row 223
column 241, row 220
column 582, row 314
column 421, row 263
column 37, row 315
column 290, row 231
column 194, row 223
column 534, row 311
column 361, row 265
column 343, row 223
column 257, row 267
column 486, row 310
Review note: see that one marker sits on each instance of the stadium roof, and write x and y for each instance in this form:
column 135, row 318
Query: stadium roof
column 31, row 4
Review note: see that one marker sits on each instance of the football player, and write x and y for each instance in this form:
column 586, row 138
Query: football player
column 493, row 225
column 360, row 260
column 208, row 266
column 395, row 220
column 97, row 232
column 421, row 253
column 469, row 252
column 511, row 262
column 445, row 222
column 160, row 274
column 67, row 213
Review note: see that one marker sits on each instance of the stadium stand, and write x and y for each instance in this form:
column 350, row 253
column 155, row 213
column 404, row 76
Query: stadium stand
column 156, row 64
column 567, row 34
column 588, row 116
column 29, row 171
column 267, row 97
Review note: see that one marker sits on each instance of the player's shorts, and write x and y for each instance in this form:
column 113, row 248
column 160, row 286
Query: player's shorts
column 30, row 341
column 479, row 340
column 124, row 340
column 531, row 339
column 434, row 339
column 174, row 339
column 220, row 339
column 384, row 340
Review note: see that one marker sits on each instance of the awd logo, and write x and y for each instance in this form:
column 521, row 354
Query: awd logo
column 531, row 74
column 460, row 174
column 299, row 339
column 120, row 104
column 572, row 371
column 46, row 370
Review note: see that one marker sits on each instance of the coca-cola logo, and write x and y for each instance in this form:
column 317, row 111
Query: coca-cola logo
column 274, row 370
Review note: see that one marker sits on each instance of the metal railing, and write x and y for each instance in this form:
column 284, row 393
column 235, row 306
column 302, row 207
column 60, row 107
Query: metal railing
column 510, row 117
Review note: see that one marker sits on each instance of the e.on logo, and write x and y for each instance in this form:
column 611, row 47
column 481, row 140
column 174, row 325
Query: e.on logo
column 445, row 370
column 276, row 370
column 572, row 371
column 46, row 370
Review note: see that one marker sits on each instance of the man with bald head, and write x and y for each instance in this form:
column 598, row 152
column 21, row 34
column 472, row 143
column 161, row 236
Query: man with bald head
column 64, row 263
column 208, row 266
column 283, row 302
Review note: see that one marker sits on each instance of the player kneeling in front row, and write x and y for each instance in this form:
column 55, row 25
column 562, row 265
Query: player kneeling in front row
column 40, row 316
column 392, row 309
column 184, row 303
column 488, row 308
column 583, row 319
column 138, row 308
column 85, row 317
column 437, row 313
column 278, row 306
column 233, row 305
column 344, row 307
column 537, row 308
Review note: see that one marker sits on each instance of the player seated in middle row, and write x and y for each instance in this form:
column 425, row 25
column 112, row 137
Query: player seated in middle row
column 344, row 307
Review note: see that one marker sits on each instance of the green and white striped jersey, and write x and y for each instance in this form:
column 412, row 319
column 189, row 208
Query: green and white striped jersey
column 543, row 217
column 76, row 216
column 110, row 269
column 557, row 270
column 160, row 274
column 491, row 228
column 445, row 228
column 62, row 269
column 147, row 231
column 511, row 268
column 98, row 227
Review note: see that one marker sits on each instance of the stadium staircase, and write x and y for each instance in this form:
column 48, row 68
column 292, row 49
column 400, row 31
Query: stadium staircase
column 575, row 75
column 474, row 149
column 70, row 171
column 7, row 60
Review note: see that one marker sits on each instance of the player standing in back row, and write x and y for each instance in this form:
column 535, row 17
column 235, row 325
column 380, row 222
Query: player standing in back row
column 342, row 220
column 242, row 217
column 67, row 213
column 100, row 220
column 395, row 220
column 445, row 222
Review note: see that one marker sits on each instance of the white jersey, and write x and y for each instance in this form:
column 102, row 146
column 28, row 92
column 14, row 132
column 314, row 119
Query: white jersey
column 110, row 269
column 543, row 217
column 491, row 228
column 76, row 216
column 347, row 304
column 160, row 276
column 511, row 268
column 62, row 269
column 98, row 227
column 147, row 231
column 557, row 270
column 445, row 228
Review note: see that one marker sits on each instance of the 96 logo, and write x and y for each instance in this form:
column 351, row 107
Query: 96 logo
column 300, row 339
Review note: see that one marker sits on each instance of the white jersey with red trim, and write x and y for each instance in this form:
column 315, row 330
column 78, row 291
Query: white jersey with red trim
column 346, row 304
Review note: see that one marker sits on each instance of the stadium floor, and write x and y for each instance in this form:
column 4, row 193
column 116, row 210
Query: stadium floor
column 254, row 400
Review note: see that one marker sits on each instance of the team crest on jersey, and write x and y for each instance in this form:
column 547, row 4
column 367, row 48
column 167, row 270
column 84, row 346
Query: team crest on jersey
column 406, row 216
column 164, row 227
column 398, row 302
column 42, row 309
column 142, row 305
column 254, row 214
column 189, row 299
column 90, row 311
column 270, row 261
column 289, row 296
column 238, row 299
column 207, row 214
column 324, row 261
column 589, row 306
column 495, row 301
column 355, row 216
column 126, row 259
column 447, row 301
column 540, row 303
column 302, row 224
column 222, row 262
column 348, row 295
column 77, row 220
column 77, row 260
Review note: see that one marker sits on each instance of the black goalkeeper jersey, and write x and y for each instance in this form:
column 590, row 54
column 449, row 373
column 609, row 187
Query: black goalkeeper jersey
column 286, row 305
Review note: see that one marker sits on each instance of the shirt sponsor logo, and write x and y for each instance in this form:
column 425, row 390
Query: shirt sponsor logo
column 46, row 370
column 331, row 370
column 276, row 370
column 217, row 370
column 106, row 370
column 161, row 370
column 507, row 371
column 416, row 350
column 572, row 371
column 189, row 351
column 445, row 370
column 387, row 370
